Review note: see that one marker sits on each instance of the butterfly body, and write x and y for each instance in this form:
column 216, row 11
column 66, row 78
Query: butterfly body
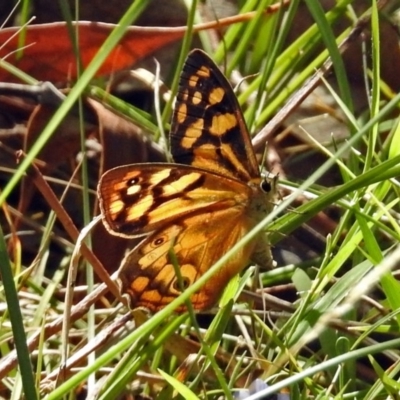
column 192, row 212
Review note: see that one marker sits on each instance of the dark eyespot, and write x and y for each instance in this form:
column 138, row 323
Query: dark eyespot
column 184, row 284
column 159, row 241
column 266, row 186
column 132, row 182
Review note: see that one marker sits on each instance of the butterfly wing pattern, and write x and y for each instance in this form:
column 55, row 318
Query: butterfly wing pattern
column 208, row 128
column 195, row 210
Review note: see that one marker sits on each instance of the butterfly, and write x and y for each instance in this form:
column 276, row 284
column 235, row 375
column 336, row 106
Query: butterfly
column 194, row 210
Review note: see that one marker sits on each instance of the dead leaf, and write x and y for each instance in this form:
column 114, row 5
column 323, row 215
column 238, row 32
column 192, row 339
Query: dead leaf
column 48, row 53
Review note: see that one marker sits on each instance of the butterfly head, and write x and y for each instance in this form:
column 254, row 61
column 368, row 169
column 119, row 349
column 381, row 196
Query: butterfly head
column 263, row 196
column 269, row 183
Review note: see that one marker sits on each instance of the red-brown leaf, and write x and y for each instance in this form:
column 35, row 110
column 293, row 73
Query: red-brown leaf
column 50, row 56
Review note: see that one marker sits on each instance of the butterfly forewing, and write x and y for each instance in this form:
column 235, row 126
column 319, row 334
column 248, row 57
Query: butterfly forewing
column 208, row 129
column 137, row 199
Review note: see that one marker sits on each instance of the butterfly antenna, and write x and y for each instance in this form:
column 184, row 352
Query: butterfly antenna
column 264, row 157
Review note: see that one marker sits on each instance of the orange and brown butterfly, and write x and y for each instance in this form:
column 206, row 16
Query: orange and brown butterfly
column 196, row 209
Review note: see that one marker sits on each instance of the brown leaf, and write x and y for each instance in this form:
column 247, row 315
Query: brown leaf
column 50, row 56
column 122, row 143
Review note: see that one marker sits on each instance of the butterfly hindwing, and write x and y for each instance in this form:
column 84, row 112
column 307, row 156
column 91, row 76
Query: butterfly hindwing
column 196, row 244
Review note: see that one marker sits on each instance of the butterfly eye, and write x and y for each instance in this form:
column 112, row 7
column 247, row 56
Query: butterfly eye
column 266, row 186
